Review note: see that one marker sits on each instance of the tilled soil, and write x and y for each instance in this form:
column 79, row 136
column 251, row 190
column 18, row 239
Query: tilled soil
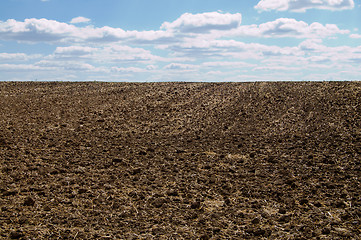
column 180, row 160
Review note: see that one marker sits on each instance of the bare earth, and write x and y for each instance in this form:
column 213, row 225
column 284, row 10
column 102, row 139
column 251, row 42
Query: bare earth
column 180, row 160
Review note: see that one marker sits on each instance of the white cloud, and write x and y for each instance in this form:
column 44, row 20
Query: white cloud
column 124, row 53
column 212, row 73
column 80, row 20
column 101, row 58
column 44, row 30
column 312, row 45
column 303, row 5
column 204, row 22
column 227, row 64
column 18, row 56
column 51, row 31
column 35, row 30
column 289, row 27
column 275, row 68
column 179, row 66
column 19, row 67
column 355, row 36
column 127, row 70
column 151, row 67
column 207, row 26
column 316, row 52
column 201, row 49
column 65, row 65
column 74, row 50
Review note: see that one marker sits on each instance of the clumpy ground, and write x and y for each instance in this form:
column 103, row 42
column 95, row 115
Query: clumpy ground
column 180, row 160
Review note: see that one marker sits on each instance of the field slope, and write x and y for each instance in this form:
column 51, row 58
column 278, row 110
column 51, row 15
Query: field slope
column 180, row 160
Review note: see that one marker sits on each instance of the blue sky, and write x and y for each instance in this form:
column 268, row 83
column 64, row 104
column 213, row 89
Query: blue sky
column 189, row 40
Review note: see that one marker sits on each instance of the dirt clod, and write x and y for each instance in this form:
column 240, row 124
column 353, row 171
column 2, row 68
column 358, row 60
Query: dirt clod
column 16, row 235
column 256, row 221
column 285, row 218
column 196, row 204
column 117, row 160
column 282, row 211
column 158, row 202
column 29, row 201
column 326, row 231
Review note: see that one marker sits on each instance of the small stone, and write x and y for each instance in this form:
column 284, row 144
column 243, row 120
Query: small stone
column 29, row 201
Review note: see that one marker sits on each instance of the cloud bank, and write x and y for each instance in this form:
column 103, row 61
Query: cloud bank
column 208, row 25
column 213, row 44
column 303, row 5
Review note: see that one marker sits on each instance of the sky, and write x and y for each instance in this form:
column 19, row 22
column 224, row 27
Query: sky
column 188, row 40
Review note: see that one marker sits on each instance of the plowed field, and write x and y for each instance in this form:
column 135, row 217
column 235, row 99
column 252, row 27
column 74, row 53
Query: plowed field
column 180, row 160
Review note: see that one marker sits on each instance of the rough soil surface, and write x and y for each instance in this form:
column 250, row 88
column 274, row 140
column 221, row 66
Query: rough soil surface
column 180, row 160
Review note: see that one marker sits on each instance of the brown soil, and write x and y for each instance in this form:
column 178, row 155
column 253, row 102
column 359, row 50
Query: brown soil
column 180, row 160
